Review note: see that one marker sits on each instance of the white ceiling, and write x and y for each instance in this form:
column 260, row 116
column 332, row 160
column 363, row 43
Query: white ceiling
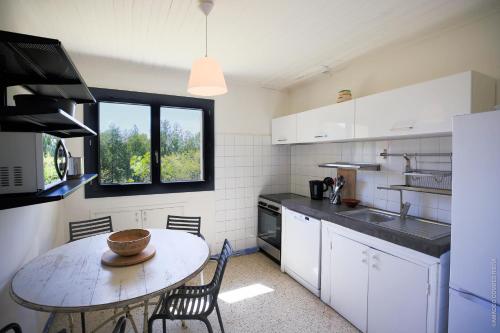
column 275, row 43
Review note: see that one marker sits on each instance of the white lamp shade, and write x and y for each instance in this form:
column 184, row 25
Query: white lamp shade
column 206, row 78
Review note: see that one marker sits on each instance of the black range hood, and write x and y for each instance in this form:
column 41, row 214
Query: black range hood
column 42, row 66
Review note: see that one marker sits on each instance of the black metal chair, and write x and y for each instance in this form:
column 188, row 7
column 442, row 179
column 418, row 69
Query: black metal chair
column 83, row 229
column 120, row 327
column 87, row 228
column 194, row 302
column 191, row 224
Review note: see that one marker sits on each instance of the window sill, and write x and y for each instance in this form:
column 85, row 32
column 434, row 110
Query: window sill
column 56, row 193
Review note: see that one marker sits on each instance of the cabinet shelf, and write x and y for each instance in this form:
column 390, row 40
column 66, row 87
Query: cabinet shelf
column 56, row 193
column 55, row 122
column 42, row 66
column 349, row 165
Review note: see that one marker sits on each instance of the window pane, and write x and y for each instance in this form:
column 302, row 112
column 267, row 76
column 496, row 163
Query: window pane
column 181, row 135
column 124, row 143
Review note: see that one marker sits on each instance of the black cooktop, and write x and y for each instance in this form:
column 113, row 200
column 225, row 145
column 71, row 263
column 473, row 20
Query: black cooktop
column 279, row 197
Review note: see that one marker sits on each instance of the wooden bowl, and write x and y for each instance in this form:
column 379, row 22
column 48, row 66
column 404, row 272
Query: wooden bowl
column 129, row 242
column 349, row 202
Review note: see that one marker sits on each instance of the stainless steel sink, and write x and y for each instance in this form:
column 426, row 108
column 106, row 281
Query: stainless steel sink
column 369, row 215
column 412, row 226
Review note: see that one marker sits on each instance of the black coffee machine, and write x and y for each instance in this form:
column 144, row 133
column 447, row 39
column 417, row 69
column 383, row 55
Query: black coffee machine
column 317, row 188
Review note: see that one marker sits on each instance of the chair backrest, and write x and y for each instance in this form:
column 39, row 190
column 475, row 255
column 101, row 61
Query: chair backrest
column 83, row 229
column 189, row 224
column 225, row 254
column 14, row 327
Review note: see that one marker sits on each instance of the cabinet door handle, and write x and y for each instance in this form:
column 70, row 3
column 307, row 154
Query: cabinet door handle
column 402, row 128
column 282, row 140
column 364, row 261
column 374, row 257
column 375, row 266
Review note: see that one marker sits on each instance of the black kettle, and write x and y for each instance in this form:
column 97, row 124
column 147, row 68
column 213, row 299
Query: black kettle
column 317, row 188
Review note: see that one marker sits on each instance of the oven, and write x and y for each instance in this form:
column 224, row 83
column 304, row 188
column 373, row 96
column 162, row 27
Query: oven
column 269, row 228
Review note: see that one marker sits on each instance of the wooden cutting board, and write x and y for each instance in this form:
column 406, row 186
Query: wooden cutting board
column 109, row 258
column 349, row 189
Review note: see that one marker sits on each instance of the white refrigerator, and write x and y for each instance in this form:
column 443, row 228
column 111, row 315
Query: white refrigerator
column 475, row 228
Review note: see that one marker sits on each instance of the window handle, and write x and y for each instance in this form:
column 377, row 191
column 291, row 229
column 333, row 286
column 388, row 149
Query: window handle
column 156, row 156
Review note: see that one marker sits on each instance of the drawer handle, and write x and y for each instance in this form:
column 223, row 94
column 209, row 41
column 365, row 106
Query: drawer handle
column 375, row 266
column 282, row 140
column 320, row 136
column 364, row 261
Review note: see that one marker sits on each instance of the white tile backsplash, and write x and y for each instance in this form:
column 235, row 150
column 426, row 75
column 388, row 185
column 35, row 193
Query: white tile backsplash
column 305, row 159
column 245, row 166
column 248, row 165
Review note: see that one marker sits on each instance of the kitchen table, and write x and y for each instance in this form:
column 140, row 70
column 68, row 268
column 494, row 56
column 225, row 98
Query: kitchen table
column 71, row 278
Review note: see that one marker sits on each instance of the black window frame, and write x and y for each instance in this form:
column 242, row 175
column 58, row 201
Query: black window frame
column 91, row 144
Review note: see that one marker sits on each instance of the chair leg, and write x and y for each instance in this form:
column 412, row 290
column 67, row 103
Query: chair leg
column 164, row 325
column 150, row 325
column 82, row 320
column 207, row 323
column 219, row 317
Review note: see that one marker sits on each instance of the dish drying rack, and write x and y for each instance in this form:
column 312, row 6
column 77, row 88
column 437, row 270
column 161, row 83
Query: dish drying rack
column 424, row 180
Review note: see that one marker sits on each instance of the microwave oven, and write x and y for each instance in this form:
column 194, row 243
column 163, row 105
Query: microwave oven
column 31, row 162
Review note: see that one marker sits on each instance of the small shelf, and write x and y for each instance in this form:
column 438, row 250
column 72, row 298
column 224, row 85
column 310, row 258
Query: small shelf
column 55, row 122
column 348, row 165
column 420, row 189
column 56, row 193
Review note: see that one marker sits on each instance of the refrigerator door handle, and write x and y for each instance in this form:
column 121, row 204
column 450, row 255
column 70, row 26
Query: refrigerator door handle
column 473, row 298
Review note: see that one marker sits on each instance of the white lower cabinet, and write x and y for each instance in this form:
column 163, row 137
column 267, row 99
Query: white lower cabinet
column 397, row 294
column 349, row 282
column 139, row 217
column 122, row 219
column 157, row 217
column 381, row 287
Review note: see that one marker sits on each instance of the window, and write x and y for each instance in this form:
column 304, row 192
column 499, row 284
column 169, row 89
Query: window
column 124, row 143
column 148, row 143
column 181, row 132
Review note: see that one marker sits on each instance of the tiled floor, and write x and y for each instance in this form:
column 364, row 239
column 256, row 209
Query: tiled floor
column 287, row 308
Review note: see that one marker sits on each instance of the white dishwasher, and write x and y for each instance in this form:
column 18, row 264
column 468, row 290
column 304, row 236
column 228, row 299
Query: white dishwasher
column 301, row 249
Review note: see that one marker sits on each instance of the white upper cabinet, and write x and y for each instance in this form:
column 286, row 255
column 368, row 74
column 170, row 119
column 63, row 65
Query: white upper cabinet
column 284, row 130
column 328, row 123
column 423, row 109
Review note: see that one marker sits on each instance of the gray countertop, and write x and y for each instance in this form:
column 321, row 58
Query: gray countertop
column 322, row 209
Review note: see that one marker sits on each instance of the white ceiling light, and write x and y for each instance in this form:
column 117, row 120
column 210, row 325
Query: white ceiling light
column 206, row 78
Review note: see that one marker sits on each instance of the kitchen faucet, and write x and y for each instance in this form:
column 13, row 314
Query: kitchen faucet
column 404, row 207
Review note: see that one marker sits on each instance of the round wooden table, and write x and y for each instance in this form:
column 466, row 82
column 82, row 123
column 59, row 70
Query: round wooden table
column 71, row 278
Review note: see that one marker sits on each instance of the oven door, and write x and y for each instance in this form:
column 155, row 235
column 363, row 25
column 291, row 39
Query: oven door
column 269, row 227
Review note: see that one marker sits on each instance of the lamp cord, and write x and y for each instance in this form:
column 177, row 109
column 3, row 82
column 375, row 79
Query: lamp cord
column 206, row 35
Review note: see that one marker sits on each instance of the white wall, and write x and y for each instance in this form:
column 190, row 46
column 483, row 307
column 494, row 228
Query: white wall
column 475, row 46
column 245, row 111
column 245, row 166
column 25, row 233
